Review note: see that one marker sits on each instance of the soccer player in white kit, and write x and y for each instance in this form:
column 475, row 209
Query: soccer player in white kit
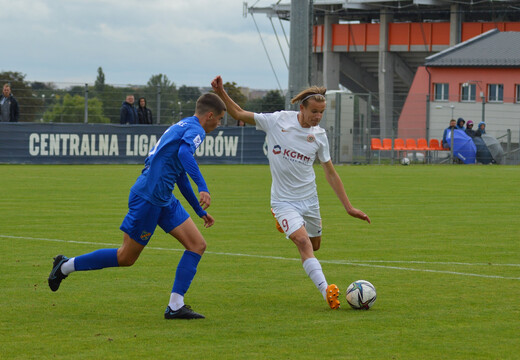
column 294, row 140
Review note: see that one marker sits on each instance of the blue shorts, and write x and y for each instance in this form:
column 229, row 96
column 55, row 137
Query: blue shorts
column 143, row 217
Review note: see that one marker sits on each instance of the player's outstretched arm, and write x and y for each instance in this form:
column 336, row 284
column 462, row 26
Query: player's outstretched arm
column 233, row 108
column 337, row 185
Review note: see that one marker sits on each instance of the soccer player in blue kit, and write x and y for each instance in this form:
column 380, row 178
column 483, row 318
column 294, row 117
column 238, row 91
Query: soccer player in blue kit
column 152, row 203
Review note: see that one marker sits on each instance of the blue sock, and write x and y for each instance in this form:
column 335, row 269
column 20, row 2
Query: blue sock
column 95, row 260
column 186, row 271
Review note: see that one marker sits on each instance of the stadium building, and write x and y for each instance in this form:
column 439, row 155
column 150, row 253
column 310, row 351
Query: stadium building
column 380, row 50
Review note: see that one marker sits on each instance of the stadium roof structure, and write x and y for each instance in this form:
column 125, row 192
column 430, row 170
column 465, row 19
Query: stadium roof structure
column 490, row 49
column 403, row 10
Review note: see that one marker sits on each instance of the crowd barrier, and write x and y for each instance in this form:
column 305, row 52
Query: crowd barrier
column 44, row 143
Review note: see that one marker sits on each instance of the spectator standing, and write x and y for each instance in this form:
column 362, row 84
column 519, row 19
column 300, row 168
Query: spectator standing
column 469, row 129
column 144, row 114
column 9, row 109
column 460, row 124
column 481, row 129
column 453, row 125
column 128, row 113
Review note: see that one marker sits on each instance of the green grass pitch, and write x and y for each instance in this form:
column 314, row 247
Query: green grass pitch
column 443, row 251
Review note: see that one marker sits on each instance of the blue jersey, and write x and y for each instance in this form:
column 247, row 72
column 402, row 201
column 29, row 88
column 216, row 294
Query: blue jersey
column 162, row 166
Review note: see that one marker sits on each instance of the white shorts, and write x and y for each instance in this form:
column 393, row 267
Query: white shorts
column 292, row 215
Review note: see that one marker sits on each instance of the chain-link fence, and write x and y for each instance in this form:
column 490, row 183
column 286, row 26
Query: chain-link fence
column 352, row 121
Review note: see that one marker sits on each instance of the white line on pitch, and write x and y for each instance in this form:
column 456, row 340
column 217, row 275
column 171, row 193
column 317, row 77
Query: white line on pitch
column 364, row 263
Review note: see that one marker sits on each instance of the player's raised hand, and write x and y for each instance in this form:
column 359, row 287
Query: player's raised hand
column 217, row 84
column 205, row 200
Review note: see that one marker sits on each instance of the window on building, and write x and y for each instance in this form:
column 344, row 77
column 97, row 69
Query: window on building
column 517, row 91
column 442, row 92
column 495, row 92
column 467, row 92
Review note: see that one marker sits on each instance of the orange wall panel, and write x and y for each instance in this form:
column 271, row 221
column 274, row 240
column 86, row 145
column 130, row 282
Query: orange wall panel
column 339, row 35
column 357, row 35
column 372, row 34
column 512, row 26
column 491, row 26
column 470, row 30
column 318, row 35
column 441, row 33
column 404, row 34
column 420, row 33
column 399, row 34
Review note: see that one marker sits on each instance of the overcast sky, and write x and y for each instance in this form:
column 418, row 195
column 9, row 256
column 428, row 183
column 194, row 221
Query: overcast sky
column 190, row 41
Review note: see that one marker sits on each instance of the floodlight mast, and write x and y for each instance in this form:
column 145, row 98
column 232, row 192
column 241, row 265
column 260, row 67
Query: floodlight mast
column 299, row 12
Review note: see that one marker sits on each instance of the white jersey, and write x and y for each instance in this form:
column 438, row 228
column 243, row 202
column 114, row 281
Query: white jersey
column 291, row 150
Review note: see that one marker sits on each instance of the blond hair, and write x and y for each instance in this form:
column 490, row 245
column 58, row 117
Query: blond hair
column 314, row 92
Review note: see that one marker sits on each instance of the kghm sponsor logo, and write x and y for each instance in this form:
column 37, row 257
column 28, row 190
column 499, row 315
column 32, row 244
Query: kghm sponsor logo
column 291, row 154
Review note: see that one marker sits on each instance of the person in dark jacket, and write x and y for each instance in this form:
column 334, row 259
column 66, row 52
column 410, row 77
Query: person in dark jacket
column 481, row 129
column 460, row 124
column 128, row 114
column 9, row 109
column 469, row 129
column 453, row 125
column 144, row 114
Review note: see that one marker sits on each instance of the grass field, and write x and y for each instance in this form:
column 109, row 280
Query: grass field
column 443, row 251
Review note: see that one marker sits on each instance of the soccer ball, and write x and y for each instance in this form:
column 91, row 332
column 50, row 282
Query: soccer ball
column 361, row 295
column 405, row 161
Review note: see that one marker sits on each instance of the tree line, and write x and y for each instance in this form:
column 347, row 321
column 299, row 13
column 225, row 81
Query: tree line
column 46, row 102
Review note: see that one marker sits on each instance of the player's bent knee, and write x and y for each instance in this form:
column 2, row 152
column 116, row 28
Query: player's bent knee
column 199, row 247
column 126, row 261
column 301, row 241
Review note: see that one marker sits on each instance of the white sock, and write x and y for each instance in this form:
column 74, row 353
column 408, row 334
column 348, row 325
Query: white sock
column 68, row 267
column 313, row 269
column 176, row 301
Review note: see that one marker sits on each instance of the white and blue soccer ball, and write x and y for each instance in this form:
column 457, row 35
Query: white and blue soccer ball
column 405, row 161
column 361, row 294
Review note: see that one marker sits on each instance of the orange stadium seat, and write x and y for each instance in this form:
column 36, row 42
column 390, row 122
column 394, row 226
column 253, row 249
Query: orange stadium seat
column 422, row 144
column 375, row 144
column 435, row 145
column 399, row 144
column 387, row 144
column 411, row 144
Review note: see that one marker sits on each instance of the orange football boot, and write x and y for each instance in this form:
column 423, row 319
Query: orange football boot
column 332, row 296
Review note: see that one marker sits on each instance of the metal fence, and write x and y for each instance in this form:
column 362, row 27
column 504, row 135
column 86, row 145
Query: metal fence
column 351, row 120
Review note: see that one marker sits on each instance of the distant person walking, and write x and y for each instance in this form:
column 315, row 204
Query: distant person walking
column 128, row 113
column 9, row 109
